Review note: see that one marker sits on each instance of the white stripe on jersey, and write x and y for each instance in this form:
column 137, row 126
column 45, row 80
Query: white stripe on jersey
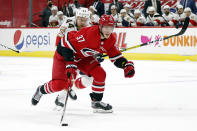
column 115, row 58
column 99, row 87
column 67, row 42
column 99, row 92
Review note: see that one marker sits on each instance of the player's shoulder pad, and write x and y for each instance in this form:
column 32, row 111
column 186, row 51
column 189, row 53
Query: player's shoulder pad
column 70, row 19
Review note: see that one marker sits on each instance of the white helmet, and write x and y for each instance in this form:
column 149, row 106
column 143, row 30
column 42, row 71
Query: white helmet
column 123, row 11
column 59, row 13
column 54, row 8
column 137, row 11
column 187, row 10
column 83, row 12
column 179, row 7
column 151, row 8
column 166, row 7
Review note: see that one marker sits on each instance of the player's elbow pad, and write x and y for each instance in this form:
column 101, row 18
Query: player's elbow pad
column 120, row 62
column 65, row 52
column 68, row 54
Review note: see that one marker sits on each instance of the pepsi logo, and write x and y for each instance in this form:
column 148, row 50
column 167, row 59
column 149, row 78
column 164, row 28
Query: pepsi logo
column 18, row 40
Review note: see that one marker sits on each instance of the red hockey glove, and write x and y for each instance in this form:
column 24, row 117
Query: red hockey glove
column 129, row 69
column 71, row 69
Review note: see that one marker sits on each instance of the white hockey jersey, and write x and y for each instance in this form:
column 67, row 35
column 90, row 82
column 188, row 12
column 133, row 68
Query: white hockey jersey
column 177, row 18
column 126, row 18
column 193, row 20
column 116, row 17
column 60, row 22
column 69, row 25
column 169, row 18
column 94, row 19
column 155, row 20
column 53, row 21
column 140, row 21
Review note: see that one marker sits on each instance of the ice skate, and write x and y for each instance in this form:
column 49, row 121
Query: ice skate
column 60, row 99
column 36, row 97
column 101, row 107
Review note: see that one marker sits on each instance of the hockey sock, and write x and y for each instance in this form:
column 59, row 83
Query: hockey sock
column 42, row 90
column 96, row 96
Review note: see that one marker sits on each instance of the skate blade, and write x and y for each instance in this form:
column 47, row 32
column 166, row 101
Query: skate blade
column 102, row 111
column 58, row 108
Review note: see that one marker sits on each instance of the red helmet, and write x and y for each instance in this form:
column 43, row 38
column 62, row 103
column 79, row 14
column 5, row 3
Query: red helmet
column 106, row 20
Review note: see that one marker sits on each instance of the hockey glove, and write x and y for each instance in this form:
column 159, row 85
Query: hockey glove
column 71, row 69
column 99, row 57
column 129, row 69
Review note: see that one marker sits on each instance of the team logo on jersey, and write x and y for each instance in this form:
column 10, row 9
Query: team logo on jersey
column 88, row 52
column 18, row 39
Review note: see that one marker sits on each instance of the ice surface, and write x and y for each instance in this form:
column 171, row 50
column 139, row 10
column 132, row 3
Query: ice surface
column 161, row 97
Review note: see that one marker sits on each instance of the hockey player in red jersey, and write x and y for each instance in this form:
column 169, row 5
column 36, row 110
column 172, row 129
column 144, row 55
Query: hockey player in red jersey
column 76, row 51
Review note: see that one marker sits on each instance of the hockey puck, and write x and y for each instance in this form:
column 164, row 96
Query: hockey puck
column 64, row 124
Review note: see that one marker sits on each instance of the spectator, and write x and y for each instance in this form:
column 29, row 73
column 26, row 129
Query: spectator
column 189, row 3
column 193, row 17
column 99, row 6
column 127, row 8
column 75, row 6
column 68, row 10
column 125, row 20
column 93, row 16
column 61, row 18
column 155, row 3
column 46, row 13
column 118, row 5
column 153, row 18
column 168, row 16
column 140, row 20
column 53, row 19
column 114, row 13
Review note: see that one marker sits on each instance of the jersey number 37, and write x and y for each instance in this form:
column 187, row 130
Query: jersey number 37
column 80, row 38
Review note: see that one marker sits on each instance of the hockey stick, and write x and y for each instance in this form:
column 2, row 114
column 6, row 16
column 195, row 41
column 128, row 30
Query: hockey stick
column 10, row 48
column 182, row 31
column 62, row 122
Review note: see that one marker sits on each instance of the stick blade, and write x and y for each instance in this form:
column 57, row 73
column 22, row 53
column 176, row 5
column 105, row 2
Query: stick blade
column 64, row 124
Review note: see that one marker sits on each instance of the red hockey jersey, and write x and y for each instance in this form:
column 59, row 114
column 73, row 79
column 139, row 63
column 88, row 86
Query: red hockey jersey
column 87, row 42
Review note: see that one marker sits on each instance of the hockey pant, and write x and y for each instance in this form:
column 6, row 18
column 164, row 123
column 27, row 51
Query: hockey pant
column 89, row 66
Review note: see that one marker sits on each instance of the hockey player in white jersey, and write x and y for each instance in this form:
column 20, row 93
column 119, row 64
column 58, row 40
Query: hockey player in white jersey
column 193, row 17
column 80, row 20
column 139, row 18
column 153, row 19
column 179, row 13
column 53, row 19
column 179, row 16
column 61, row 18
column 114, row 13
column 168, row 16
column 125, row 20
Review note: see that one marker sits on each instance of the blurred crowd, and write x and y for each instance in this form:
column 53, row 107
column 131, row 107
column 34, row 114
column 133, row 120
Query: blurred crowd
column 151, row 15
